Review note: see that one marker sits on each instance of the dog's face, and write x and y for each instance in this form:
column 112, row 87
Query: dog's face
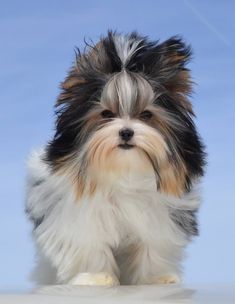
column 124, row 107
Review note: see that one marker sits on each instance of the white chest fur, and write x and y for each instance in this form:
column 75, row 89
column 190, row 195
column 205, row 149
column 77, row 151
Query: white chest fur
column 124, row 224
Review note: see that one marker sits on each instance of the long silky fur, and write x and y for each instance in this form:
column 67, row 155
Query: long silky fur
column 98, row 208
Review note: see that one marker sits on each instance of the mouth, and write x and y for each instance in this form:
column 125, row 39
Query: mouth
column 126, row 146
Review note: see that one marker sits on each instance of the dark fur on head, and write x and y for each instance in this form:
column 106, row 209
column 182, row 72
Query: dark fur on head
column 159, row 66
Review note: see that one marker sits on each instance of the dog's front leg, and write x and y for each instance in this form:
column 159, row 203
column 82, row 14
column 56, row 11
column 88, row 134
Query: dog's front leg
column 145, row 264
column 91, row 265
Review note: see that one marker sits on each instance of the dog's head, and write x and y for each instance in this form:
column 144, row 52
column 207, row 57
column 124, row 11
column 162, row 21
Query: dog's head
column 124, row 106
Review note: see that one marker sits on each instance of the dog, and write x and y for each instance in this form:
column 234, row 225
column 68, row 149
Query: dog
column 113, row 197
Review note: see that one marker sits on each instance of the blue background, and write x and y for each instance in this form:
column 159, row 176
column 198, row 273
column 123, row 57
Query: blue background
column 37, row 40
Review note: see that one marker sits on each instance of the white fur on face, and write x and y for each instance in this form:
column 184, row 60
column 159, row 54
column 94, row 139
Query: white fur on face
column 127, row 94
column 102, row 152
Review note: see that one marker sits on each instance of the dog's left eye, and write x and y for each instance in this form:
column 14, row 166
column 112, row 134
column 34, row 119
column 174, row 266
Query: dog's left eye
column 107, row 114
column 145, row 115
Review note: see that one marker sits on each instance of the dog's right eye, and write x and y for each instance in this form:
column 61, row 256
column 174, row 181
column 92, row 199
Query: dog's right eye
column 107, row 114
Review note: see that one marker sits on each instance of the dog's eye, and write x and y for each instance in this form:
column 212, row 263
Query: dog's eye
column 107, row 114
column 146, row 115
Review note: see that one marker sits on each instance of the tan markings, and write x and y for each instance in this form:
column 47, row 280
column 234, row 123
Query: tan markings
column 81, row 183
column 97, row 56
column 68, row 166
column 181, row 83
column 62, row 165
column 172, row 178
column 99, row 151
column 155, row 147
column 180, row 86
column 98, row 157
column 176, row 57
column 72, row 81
column 79, row 186
column 172, row 175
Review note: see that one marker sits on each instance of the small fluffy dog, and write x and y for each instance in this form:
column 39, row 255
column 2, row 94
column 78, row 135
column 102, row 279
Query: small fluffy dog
column 112, row 196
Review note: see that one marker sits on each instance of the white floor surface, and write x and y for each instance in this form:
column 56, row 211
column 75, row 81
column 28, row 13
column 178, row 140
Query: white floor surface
column 63, row 294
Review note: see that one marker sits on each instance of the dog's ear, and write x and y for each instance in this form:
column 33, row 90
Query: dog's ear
column 86, row 77
column 91, row 68
column 70, row 86
column 174, row 54
column 166, row 65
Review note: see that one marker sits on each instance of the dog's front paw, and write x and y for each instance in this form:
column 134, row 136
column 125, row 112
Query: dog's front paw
column 165, row 279
column 95, row 279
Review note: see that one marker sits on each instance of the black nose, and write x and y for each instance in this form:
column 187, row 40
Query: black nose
column 126, row 134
